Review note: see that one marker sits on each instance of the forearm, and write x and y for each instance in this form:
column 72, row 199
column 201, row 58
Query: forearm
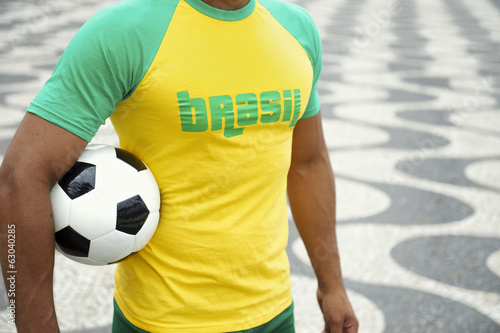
column 311, row 192
column 26, row 213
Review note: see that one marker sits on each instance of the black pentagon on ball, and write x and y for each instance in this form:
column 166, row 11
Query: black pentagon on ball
column 131, row 214
column 79, row 180
column 72, row 243
column 130, row 159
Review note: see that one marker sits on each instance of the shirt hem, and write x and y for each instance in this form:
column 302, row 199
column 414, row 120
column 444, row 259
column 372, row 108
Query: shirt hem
column 239, row 326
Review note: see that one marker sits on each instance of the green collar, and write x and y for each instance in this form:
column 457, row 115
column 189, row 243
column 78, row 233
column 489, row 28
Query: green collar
column 221, row 14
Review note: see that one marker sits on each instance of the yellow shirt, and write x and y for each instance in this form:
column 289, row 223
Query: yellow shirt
column 212, row 115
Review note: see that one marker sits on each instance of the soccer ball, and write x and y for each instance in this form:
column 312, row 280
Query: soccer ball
column 106, row 207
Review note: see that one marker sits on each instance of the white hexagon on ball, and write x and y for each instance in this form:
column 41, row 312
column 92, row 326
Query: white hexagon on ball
column 144, row 181
column 93, row 215
column 111, row 247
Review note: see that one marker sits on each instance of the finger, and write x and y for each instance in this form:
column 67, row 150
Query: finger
column 350, row 329
column 334, row 326
column 351, row 326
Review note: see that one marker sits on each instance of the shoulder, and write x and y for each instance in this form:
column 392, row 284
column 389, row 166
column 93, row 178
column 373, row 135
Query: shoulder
column 299, row 23
column 130, row 17
column 285, row 11
column 294, row 18
column 124, row 37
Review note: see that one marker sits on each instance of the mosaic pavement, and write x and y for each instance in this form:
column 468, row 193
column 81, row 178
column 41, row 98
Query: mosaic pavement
column 411, row 108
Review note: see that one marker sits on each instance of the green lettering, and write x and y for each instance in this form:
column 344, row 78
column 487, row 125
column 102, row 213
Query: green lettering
column 287, row 105
column 296, row 107
column 269, row 103
column 248, row 112
column 193, row 112
column 221, row 107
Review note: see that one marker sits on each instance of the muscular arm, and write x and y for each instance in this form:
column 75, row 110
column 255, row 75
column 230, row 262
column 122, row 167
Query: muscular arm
column 39, row 154
column 311, row 192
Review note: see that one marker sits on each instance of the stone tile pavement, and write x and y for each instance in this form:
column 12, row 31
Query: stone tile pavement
column 411, row 108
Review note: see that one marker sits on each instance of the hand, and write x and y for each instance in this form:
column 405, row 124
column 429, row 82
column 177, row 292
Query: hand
column 337, row 311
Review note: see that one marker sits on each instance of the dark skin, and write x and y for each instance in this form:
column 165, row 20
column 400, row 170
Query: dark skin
column 227, row 4
column 311, row 192
column 41, row 153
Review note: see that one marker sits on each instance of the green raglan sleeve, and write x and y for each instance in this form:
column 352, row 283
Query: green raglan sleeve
column 298, row 22
column 101, row 66
column 313, row 48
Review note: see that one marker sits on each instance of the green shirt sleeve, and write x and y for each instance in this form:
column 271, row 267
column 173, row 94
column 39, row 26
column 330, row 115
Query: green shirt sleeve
column 102, row 65
column 299, row 23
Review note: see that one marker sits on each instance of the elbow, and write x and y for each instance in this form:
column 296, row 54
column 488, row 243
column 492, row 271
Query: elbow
column 311, row 164
column 17, row 184
column 16, row 176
